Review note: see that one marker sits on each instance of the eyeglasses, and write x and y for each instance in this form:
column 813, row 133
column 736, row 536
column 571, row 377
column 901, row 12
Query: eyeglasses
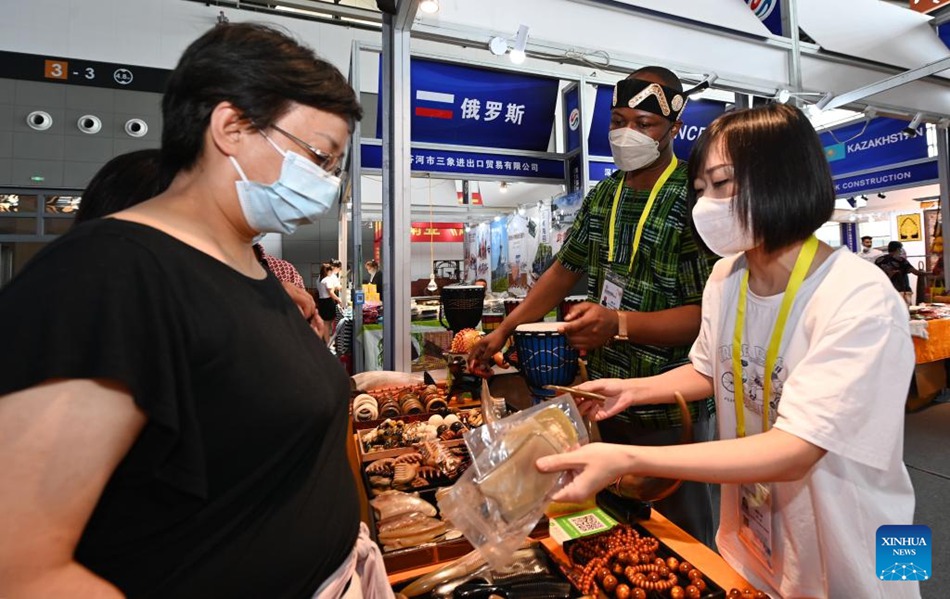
column 328, row 162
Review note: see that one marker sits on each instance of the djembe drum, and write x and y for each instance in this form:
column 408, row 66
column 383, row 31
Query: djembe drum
column 462, row 306
column 544, row 357
column 511, row 303
column 567, row 303
column 491, row 320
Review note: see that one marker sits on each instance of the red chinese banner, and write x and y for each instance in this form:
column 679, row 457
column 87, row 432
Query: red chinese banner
column 437, row 232
column 926, row 6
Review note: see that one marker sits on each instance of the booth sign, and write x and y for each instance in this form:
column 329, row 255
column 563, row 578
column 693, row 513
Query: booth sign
column 456, row 105
column 463, row 163
column 437, row 232
column 880, row 143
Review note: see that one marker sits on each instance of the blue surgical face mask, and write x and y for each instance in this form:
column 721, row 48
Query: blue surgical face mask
column 303, row 193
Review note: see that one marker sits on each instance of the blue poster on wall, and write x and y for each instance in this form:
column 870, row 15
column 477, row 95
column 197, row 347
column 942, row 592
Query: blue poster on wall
column 769, row 12
column 573, row 112
column 499, row 255
column 863, row 146
column 460, row 105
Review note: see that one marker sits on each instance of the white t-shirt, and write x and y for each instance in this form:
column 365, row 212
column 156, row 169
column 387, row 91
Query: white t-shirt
column 840, row 382
column 869, row 254
column 323, row 289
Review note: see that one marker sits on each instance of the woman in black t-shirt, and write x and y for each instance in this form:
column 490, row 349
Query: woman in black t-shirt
column 169, row 425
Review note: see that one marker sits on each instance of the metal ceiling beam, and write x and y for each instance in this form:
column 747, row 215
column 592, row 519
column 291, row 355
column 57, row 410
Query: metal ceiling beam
column 885, row 84
column 319, row 10
column 621, row 64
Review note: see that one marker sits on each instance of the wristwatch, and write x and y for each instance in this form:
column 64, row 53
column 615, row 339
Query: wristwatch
column 621, row 327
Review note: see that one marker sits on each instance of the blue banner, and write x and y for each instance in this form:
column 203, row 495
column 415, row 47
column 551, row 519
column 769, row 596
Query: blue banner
column 696, row 117
column 943, row 31
column 597, row 144
column 470, row 163
column 888, row 178
column 769, row 12
column 598, row 171
column 573, row 122
column 460, row 105
column 882, row 143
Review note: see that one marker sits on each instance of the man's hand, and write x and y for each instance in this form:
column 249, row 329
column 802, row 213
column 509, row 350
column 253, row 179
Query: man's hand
column 481, row 359
column 590, row 326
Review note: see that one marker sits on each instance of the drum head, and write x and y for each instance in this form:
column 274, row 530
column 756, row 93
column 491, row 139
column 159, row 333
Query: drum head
column 539, row 327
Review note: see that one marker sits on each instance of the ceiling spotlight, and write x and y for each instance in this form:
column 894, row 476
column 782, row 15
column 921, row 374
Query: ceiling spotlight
column 825, row 100
column 881, row 195
column 503, row 187
column 852, row 202
column 429, row 6
column 784, row 95
column 864, row 197
column 516, row 53
column 911, row 129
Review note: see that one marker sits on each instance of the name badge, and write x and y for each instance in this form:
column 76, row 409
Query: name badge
column 611, row 294
column 755, row 521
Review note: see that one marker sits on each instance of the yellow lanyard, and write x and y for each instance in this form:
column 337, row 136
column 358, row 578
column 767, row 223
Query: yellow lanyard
column 805, row 257
column 643, row 217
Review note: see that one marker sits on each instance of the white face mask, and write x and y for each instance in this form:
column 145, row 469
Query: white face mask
column 631, row 149
column 720, row 228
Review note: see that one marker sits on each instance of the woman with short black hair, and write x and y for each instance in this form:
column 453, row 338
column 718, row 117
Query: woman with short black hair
column 169, row 425
column 815, row 344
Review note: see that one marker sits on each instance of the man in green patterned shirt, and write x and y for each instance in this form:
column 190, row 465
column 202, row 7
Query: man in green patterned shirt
column 646, row 274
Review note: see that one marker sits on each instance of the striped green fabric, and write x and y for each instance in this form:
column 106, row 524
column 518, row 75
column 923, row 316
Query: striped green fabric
column 670, row 270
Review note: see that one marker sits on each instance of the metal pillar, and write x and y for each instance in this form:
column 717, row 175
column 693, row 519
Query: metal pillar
column 849, row 235
column 790, row 30
column 943, row 175
column 396, row 187
column 356, row 221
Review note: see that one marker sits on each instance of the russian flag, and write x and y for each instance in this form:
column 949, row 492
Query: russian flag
column 445, row 102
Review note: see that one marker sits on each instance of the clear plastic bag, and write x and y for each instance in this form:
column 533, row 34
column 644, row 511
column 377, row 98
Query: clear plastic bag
column 501, row 497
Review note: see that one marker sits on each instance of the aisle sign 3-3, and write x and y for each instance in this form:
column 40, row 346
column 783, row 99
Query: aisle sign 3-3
column 73, row 71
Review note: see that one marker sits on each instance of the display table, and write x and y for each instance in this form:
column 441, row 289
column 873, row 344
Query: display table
column 691, row 550
column 937, row 345
column 930, row 375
